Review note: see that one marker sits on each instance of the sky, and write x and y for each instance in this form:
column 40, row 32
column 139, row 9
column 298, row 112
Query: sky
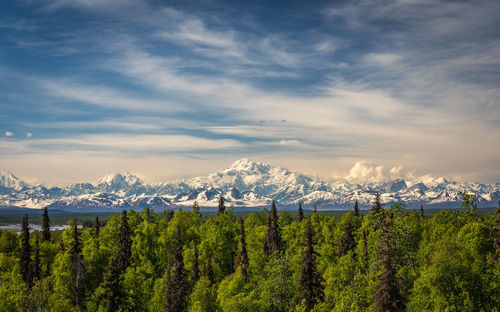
column 173, row 89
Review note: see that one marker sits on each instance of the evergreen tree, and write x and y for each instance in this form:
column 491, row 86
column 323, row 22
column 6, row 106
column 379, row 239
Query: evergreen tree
column 388, row 296
column 36, row 261
column 97, row 226
column 311, row 290
column 301, row 213
column 45, row 225
column 110, row 292
column 25, row 257
column 78, row 268
column 242, row 259
column 496, row 234
column 346, row 242
column 124, row 243
column 356, row 208
column 315, row 209
column 196, row 207
column 176, row 278
column 421, row 211
column 222, row 208
column 208, row 271
column 365, row 249
column 170, row 214
column 272, row 241
column 377, row 206
column 196, row 270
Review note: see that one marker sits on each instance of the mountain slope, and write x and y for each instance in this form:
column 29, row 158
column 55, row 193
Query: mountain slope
column 244, row 184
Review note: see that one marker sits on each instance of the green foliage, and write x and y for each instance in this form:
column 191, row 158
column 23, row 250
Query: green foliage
column 446, row 263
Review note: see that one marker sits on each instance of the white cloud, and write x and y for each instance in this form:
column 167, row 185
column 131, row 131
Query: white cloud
column 363, row 171
column 382, row 59
column 29, row 134
column 9, row 133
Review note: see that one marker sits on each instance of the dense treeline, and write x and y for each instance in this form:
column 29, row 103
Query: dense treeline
column 388, row 260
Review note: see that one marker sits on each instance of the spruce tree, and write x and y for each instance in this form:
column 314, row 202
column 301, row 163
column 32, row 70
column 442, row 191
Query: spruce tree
column 124, row 243
column 25, row 257
column 346, row 242
column 272, row 241
column 365, row 249
column 78, row 268
column 45, row 225
column 377, row 206
column 301, row 213
column 311, row 290
column 176, row 278
column 315, row 209
column 421, row 211
column 496, row 234
column 242, row 259
column 97, row 226
column 111, row 294
column 196, row 208
column 356, row 208
column 36, row 261
column 222, row 207
column 208, row 271
column 388, row 297
column 196, row 269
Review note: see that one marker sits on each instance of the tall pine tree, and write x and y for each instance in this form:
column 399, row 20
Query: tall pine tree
column 222, row 207
column 78, row 267
column 346, row 242
column 421, row 211
column 272, row 240
column 124, row 243
column 365, row 249
column 356, row 208
column 496, row 234
column 97, row 227
column 388, row 296
column 45, row 225
column 242, row 259
column 315, row 209
column 111, row 294
column 25, row 256
column 377, row 206
column 196, row 269
column 176, row 278
column 301, row 213
column 311, row 290
column 36, row 261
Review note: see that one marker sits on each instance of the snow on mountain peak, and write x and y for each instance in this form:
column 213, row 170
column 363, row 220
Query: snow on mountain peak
column 8, row 180
column 244, row 164
column 126, row 178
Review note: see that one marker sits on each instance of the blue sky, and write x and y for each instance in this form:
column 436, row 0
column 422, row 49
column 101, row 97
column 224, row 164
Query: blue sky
column 169, row 89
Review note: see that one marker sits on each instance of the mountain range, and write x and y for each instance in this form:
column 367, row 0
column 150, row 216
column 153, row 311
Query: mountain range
column 245, row 184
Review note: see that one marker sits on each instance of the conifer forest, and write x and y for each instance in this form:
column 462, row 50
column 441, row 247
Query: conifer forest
column 385, row 259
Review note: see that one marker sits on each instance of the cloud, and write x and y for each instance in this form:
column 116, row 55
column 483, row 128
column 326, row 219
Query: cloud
column 363, row 171
column 9, row 133
column 382, row 59
column 29, row 134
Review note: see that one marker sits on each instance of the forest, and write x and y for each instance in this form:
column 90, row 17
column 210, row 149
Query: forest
column 385, row 259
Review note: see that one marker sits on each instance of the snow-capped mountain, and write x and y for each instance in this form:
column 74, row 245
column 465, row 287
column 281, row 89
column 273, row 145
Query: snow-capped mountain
column 244, row 184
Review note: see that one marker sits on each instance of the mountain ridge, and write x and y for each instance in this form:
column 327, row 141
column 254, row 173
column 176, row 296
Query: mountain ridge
column 245, row 183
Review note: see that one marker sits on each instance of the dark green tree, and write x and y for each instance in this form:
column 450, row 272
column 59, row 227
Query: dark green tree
column 388, row 296
column 36, row 261
column 208, row 271
column 377, row 206
column 311, row 290
column 272, row 240
column 301, row 213
column 97, row 226
column 365, row 249
column 222, row 207
column 124, row 243
column 176, row 278
column 110, row 293
column 25, row 256
column 496, row 234
column 421, row 211
column 45, row 225
column 315, row 209
column 196, row 207
column 346, row 242
column 356, row 208
column 196, row 269
column 242, row 258
column 78, row 266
